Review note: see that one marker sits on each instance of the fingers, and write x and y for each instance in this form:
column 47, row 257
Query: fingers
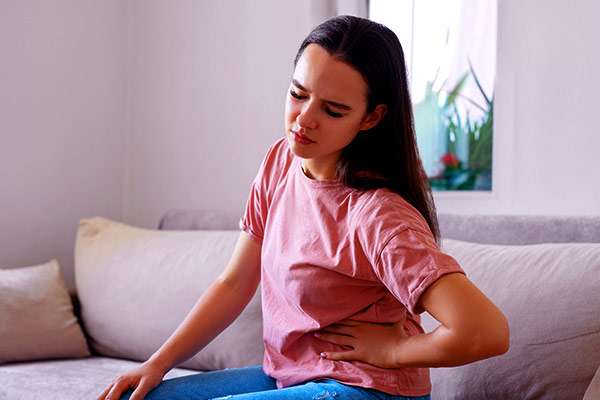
column 336, row 338
column 117, row 389
column 142, row 390
column 340, row 356
column 340, row 329
column 349, row 322
column 104, row 393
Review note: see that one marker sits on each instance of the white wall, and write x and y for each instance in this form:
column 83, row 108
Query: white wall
column 62, row 124
column 208, row 85
column 126, row 109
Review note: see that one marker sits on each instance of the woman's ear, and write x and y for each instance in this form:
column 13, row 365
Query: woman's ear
column 373, row 118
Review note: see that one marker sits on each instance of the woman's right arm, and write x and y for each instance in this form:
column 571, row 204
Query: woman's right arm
column 214, row 311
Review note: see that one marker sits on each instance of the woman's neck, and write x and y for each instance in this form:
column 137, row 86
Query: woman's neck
column 318, row 170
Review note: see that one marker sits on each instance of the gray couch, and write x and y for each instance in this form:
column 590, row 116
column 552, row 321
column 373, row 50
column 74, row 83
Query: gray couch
column 542, row 271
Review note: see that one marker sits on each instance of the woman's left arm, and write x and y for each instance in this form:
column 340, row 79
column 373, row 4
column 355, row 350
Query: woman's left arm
column 472, row 328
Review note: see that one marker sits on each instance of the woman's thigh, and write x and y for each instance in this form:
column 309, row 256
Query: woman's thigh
column 251, row 383
column 320, row 389
column 212, row 384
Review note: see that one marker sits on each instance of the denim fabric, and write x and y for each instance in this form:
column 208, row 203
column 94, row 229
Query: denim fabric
column 251, row 383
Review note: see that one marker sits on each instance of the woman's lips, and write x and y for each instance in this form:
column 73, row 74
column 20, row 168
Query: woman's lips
column 300, row 138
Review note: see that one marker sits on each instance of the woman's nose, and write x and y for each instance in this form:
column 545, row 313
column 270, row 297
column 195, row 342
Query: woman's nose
column 306, row 119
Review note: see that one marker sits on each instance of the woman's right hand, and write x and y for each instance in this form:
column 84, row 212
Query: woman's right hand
column 143, row 379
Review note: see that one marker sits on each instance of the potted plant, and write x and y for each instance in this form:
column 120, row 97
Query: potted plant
column 475, row 173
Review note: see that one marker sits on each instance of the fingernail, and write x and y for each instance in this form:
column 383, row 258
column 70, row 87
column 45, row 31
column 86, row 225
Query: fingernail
column 324, row 355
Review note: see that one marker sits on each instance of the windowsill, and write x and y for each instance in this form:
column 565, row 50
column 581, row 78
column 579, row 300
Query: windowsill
column 465, row 194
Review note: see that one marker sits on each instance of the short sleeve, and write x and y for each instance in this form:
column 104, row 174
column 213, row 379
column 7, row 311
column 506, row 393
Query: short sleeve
column 409, row 263
column 255, row 212
column 272, row 167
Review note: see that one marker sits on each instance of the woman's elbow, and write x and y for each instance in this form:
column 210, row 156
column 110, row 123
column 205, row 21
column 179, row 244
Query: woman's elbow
column 495, row 339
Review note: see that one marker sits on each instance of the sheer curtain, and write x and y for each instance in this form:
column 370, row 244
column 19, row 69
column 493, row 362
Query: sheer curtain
column 474, row 40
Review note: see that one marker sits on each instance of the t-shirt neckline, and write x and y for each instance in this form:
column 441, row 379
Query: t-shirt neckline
column 314, row 182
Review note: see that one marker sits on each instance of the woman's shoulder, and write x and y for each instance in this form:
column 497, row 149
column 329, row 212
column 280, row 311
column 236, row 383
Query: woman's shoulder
column 276, row 161
column 279, row 151
column 387, row 211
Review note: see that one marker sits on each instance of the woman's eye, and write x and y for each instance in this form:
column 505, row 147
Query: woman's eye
column 296, row 95
column 332, row 113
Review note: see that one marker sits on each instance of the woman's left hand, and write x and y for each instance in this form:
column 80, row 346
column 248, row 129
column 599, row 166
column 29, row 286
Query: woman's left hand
column 373, row 343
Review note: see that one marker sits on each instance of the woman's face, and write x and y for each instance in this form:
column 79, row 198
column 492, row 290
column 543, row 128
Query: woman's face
column 326, row 102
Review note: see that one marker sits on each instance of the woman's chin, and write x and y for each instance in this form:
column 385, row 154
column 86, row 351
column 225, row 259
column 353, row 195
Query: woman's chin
column 298, row 149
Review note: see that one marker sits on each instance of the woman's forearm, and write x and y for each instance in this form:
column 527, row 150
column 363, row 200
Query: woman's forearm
column 216, row 309
column 442, row 348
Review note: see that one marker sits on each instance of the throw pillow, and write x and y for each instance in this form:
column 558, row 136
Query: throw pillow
column 137, row 285
column 36, row 316
column 549, row 293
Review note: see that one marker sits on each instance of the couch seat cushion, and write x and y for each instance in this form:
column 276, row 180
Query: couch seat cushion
column 66, row 379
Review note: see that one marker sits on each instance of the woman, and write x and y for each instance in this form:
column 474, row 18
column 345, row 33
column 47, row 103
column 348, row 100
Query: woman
column 340, row 229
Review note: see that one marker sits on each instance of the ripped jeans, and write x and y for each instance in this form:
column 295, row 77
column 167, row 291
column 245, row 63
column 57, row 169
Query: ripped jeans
column 251, row 383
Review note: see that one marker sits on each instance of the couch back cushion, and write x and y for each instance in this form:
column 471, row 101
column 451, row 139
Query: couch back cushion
column 550, row 295
column 476, row 228
column 135, row 286
column 520, row 229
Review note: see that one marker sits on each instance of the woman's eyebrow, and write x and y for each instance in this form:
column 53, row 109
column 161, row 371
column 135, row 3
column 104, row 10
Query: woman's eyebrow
column 333, row 103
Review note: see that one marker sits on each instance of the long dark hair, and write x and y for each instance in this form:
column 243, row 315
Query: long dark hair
column 387, row 155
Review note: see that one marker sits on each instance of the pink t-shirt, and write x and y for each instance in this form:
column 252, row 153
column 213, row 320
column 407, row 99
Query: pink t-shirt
column 330, row 252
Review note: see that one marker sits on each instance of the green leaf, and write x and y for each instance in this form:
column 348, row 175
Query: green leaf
column 487, row 100
column 456, row 90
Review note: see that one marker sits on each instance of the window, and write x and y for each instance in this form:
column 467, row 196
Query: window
column 450, row 52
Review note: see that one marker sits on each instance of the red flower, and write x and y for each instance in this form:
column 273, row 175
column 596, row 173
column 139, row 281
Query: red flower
column 450, row 160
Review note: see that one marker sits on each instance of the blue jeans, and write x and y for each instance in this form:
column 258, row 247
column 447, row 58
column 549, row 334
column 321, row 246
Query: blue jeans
column 251, row 383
